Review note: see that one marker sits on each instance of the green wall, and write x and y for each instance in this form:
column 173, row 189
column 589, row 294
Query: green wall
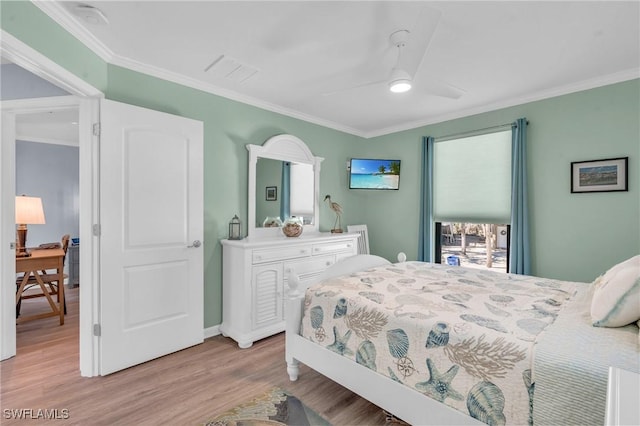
column 574, row 236
column 268, row 173
column 33, row 27
column 228, row 127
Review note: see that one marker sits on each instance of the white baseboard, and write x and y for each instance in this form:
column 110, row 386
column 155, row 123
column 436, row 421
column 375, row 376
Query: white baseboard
column 212, row 331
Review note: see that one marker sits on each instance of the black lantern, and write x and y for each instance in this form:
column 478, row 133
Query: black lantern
column 235, row 228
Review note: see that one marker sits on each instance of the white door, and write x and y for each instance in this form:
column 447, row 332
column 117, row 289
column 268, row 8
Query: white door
column 151, row 227
column 7, row 234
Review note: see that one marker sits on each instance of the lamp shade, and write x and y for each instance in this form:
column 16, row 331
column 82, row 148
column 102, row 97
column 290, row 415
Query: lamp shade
column 29, row 210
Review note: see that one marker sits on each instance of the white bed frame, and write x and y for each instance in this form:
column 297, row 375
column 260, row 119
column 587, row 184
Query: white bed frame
column 397, row 399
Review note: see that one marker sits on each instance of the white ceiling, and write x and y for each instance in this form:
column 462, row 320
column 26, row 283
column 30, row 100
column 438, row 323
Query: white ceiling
column 58, row 126
column 311, row 56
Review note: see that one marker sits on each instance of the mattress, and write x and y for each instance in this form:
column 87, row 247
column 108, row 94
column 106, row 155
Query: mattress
column 462, row 336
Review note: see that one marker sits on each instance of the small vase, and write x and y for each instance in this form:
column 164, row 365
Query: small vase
column 292, row 227
column 272, row 222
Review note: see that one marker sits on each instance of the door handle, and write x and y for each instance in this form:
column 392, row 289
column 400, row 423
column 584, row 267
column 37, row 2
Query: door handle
column 195, row 244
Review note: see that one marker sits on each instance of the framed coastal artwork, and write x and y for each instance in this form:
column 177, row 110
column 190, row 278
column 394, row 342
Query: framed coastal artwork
column 600, row 175
column 371, row 173
column 271, row 193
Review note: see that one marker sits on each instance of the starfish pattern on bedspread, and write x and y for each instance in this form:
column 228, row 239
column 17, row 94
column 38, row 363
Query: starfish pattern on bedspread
column 339, row 344
column 438, row 386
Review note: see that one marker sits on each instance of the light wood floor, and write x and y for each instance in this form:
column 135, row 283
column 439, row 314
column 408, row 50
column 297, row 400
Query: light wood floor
column 185, row 388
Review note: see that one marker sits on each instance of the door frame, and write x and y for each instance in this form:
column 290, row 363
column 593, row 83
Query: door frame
column 86, row 98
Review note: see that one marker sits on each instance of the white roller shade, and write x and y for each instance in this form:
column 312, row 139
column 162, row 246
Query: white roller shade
column 301, row 189
column 472, row 179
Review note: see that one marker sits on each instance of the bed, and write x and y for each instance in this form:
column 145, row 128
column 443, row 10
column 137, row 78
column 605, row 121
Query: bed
column 438, row 344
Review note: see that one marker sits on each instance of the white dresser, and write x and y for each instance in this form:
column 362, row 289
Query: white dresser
column 255, row 274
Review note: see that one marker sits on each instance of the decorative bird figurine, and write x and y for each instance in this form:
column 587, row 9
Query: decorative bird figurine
column 338, row 211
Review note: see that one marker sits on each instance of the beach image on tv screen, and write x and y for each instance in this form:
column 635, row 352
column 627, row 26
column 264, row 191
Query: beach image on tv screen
column 374, row 174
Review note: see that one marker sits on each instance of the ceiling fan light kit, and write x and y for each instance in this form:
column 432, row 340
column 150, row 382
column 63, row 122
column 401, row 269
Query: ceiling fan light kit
column 400, row 81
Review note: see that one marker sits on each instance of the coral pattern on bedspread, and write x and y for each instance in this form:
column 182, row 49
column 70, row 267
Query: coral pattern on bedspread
column 461, row 336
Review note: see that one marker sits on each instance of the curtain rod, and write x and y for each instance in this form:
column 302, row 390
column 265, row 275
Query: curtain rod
column 473, row 132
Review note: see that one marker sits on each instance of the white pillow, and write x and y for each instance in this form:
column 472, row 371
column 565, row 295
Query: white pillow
column 616, row 297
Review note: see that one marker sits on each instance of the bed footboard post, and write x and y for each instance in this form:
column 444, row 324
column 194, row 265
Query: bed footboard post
column 293, row 314
column 293, row 369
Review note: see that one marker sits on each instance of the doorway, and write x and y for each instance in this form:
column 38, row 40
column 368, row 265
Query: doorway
column 82, row 96
column 132, row 249
column 47, row 167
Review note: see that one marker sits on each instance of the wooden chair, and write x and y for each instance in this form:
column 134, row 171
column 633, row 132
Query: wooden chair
column 50, row 278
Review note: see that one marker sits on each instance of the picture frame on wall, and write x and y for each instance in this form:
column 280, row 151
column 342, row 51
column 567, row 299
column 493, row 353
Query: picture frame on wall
column 271, row 193
column 607, row 175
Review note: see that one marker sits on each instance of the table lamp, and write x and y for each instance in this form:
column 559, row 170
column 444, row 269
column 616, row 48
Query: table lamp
column 28, row 212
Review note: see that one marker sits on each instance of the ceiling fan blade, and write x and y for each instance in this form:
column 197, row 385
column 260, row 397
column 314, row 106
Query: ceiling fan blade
column 356, row 87
column 420, row 35
column 440, row 88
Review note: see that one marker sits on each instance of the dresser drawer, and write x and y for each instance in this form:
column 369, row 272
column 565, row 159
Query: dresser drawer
column 308, row 267
column 333, row 247
column 281, row 253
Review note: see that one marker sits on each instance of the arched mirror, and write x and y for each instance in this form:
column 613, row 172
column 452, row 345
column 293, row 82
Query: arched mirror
column 283, row 182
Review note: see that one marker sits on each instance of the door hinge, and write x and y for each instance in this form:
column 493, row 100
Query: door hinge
column 97, row 330
column 12, row 245
column 96, row 129
column 97, row 230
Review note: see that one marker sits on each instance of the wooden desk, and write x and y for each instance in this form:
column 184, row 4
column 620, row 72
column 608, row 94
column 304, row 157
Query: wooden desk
column 42, row 259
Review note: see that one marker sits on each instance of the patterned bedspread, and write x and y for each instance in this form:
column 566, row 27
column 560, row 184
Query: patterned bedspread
column 462, row 336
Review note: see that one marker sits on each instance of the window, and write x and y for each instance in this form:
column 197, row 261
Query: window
column 472, row 179
column 301, row 199
column 473, row 245
column 472, row 200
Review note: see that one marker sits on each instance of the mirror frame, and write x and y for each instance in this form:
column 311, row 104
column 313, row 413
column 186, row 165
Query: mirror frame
column 284, row 148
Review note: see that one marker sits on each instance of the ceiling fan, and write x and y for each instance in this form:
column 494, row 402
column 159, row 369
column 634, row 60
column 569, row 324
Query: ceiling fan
column 399, row 81
column 402, row 77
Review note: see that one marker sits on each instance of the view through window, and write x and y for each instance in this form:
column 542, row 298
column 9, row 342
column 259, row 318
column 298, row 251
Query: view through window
column 473, row 245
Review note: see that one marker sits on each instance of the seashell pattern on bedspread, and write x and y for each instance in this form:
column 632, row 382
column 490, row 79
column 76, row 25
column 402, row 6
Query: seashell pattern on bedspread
column 462, row 336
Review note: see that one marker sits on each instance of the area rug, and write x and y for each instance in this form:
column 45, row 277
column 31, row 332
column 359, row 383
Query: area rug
column 274, row 407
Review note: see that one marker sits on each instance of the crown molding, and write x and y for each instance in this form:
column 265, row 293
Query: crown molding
column 193, row 83
column 580, row 86
column 65, row 19
column 62, row 16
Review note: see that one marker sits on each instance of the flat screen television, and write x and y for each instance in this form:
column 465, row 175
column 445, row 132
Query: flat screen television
column 371, row 173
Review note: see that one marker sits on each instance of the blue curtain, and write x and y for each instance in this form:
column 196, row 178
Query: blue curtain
column 425, row 242
column 519, row 256
column 285, row 209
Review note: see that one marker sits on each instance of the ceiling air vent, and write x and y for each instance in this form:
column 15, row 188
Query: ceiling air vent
column 231, row 69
